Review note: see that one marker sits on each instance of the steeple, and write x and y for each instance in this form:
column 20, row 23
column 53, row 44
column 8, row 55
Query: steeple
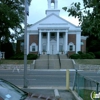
column 52, row 4
column 52, row 7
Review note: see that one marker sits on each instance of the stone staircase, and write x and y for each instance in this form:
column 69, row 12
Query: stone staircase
column 54, row 62
column 67, row 64
column 63, row 56
column 42, row 62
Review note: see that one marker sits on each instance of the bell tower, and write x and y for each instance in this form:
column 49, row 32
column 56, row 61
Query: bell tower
column 52, row 4
column 52, row 7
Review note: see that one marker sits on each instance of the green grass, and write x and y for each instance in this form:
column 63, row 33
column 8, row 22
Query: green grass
column 15, row 61
column 87, row 61
column 85, row 94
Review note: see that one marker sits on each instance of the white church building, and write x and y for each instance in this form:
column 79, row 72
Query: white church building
column 54, row 35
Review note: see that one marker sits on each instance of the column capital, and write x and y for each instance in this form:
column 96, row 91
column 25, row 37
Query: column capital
column 40, row 31
column 66, row 31
column 58, row 31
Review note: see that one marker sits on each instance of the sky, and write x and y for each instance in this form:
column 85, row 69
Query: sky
column 38, row 7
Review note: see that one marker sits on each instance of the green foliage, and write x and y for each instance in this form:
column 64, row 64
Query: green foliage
column 11, row 17
column 97, row 54
column 93, row 44
column 8, row 49
column 32, row 56
column 88, row 15
column 80, row 52
column 75, row 56
column 81, row 55
column 20, row 56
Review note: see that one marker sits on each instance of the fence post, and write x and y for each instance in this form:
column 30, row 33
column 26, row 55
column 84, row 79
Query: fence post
column 97, row 88
column 75, row 78
column 78, row 83
column 67, row 79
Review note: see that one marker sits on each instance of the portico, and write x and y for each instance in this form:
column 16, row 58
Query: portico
column 51, row 41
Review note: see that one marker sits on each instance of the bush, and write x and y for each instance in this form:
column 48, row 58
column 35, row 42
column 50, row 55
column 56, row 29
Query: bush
column 32, row 56
column 80, row 52
column 97, row 54
column 75, row 56
column 20, row 56
column 83, row 56
column 87, row 56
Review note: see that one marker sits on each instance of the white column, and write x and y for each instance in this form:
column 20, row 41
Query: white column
column 78, row 42
column 66, row 41
column 48, row 43
column 40, row 37
column 57, row 41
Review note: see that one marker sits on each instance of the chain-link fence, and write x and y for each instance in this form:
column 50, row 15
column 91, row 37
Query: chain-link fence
column 86, row 87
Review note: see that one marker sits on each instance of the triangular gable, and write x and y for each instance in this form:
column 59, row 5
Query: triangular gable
column 51, row 19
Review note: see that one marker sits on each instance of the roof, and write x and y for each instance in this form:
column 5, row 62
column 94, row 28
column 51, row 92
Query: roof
column 57, row 20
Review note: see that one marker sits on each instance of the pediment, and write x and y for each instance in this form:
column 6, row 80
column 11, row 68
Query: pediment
column 52, row 21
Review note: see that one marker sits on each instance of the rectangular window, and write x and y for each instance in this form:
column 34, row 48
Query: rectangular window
column 33, row 48
column 71, row 48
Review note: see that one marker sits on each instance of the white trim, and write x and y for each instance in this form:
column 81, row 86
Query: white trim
column 40, row 37
column 84, row 37
column 48, row 42
column 78, row 42
column 71, row 44
column 36, row 47
column 57, row 41
column 32, row 31
column 66, row 41
column 58, row 17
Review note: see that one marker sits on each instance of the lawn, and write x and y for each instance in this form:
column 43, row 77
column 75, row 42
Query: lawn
column 87, row 61
column 85, row 94
column 77, row 61
column 15, row 61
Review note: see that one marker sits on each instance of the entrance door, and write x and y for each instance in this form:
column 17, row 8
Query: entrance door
column 53, row 47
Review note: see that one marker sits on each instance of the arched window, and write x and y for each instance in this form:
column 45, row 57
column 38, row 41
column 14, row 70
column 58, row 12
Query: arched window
column 71, row 46
column 33, row 47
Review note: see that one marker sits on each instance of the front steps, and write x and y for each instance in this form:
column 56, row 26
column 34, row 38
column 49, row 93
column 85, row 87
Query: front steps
column 53, row 62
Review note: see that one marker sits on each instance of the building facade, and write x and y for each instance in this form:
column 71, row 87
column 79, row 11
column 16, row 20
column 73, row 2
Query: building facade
column 54, row 35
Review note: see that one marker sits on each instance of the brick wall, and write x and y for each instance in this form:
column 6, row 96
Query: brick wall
column 72, row 38
column 35, row 39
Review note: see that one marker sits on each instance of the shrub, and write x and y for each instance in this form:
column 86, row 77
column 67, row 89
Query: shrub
column 32, row 56
column 80, row 52
column 97, row 54
column 87, row 56
column 20, row 56
column 83, row 56
column 75, row 56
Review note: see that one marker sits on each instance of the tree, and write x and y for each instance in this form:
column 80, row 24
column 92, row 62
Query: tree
column 11, row 18
column 88, row 15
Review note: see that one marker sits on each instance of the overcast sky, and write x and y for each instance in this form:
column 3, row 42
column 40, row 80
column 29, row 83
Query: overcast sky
column 38, row 7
